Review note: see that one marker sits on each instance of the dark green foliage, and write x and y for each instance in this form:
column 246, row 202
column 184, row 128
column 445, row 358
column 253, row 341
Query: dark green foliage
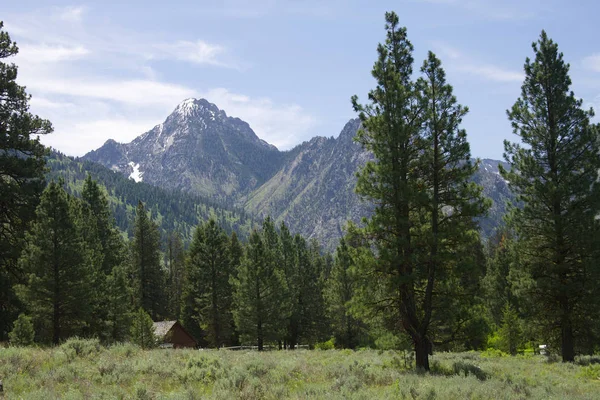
column 259, row 292
column 175, row 263
column 554, row 174
column 57, row 263
column 118, row 294
column 208, row 293
column 107, row 250
column 510, row 330
column 147, row 275
column 22, row 333
column 142, row 330
column 422, row 228
column 21, row 174
column 340, row 291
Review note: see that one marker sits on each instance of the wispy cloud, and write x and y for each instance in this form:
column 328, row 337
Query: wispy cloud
column 592, row 62
column 44, row 53
column 466, row 64
column 197, row 52
column 492, row 73
column 282, row 125
column 72, row 14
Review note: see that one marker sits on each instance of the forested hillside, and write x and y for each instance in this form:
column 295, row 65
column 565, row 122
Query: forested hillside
column 173, row 210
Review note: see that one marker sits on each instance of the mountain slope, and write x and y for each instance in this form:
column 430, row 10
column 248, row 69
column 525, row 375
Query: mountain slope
column 199, row 149
column 314, row 190
column 314, row 194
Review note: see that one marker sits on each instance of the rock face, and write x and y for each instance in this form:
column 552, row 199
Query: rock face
column 198, row 148
column 311, row 187
column 314, row 190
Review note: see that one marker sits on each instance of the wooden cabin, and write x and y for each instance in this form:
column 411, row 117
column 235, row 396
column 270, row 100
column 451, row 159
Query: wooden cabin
column 171, row 334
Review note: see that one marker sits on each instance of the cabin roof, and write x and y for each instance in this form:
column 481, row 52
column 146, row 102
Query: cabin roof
column 161, row 328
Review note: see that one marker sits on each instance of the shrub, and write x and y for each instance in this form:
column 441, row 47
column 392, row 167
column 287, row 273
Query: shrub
column 22, row 333
column 491, row 353
column 461, row 367
column 81, row 347
column 328, row 345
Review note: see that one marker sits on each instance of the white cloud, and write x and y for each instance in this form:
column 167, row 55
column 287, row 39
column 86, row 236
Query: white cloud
column 493, row 73
column 95, row 85
column 281, row 125
column 198, row 52
column 463, row 63
column 129, row 92
column 45, row 53
column 71, row 14
column 592, row 62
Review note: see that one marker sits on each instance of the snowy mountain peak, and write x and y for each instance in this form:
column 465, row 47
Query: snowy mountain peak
column 198, row 108
column 186, row 107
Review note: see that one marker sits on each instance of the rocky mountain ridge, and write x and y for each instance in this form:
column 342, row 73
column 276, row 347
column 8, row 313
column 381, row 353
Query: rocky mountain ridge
column 199, row 149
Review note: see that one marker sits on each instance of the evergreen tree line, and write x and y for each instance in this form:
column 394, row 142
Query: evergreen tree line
column 83, row 279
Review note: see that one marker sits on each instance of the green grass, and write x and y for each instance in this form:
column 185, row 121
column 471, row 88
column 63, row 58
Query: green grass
column 84, row 370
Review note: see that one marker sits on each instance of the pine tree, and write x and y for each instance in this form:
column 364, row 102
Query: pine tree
column 118, row 319
column 98, row 211
column 209, row 286
column 291, row 271
column 175, row 261
column 107, row 251
column 58, row 267
column 419, row 182
column 148, row 277
column 236, row 253
column 142, row 330
column 22, row 333
column 555, row 176
column 340, row 290
column 510, row 330
column 22, row 164
column 258, row 293
column 312, row 303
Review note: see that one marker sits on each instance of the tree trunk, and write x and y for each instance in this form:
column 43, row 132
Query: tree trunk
column 260, row 335
column 422, row 350
column 568, row 348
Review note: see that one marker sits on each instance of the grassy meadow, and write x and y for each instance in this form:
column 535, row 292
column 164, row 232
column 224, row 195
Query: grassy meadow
column 82, row 369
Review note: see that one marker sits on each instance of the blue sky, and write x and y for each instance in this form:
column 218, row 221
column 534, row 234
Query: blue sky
column 106, row 69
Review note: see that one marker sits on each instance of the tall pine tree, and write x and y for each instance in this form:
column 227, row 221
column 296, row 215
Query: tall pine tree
column 419, row 182
column 209, row 289
column 340, row 290
column 259, row 290
column 175, row 262
column 107, row 250
column 554, row 174
column 147, row 275
column 22, row 164
column 58, row 267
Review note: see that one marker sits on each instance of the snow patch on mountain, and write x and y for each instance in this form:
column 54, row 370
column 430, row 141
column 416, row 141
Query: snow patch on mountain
column 187, row 107
column 136, row 175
